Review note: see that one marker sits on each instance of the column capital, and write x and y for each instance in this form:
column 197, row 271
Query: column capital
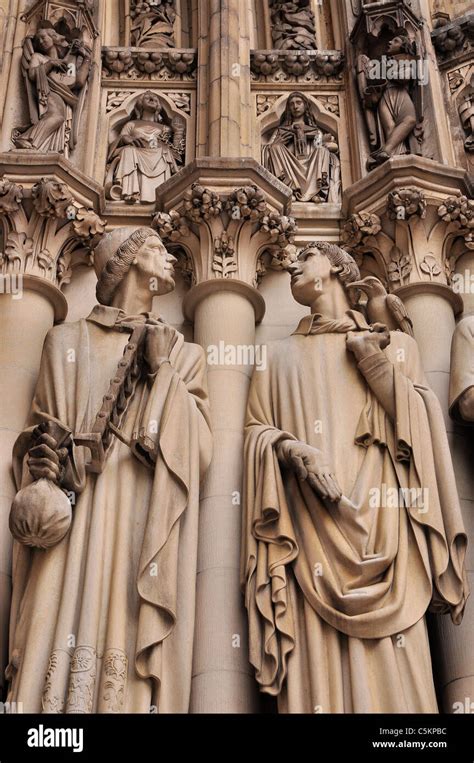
column 49, row 220
column 413, row 217
column 225, row 214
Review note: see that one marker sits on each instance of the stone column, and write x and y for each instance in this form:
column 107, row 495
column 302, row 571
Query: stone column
column 224, row 111
column 46, row 226
column 224, row 315
column 211, row 220
column 405, row 215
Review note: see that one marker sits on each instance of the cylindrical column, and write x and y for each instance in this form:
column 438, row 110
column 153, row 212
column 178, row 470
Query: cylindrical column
column 224, row 112
column 430, row 306
column 25, row 318
column 224, row 325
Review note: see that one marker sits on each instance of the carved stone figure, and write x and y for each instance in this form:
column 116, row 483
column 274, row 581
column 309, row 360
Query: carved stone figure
column 56, row 68
column 293, row 25
column 153, row 24
column 466, row 114
column 382, row 307
column 146, row 153
column 391, row 100
column 301, row 155
column 103, row 620
column 352, row 527
column 461, row 385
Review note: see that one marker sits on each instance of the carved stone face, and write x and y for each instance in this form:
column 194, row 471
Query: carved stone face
column 297, row 107
column 44, row 40
column 150, row 101
column 310, row 276
column 395, row 45
column 155, row 262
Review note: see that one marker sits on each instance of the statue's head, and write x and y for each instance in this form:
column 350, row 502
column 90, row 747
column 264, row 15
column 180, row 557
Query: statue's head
column 297, row 106
column 399, row 43
column 318, row 266
column 47, row 37
column 149, row 101
column 120, row 251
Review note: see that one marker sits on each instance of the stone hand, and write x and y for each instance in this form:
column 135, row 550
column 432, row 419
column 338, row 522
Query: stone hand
column 365, row 343
column 311, row 465
column 466, row 404
column 45, row 459
column 60, row 66
column 159, row 342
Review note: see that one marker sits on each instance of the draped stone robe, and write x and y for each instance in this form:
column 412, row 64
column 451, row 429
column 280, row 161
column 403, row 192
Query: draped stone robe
column 103, row 621
column 337, row 593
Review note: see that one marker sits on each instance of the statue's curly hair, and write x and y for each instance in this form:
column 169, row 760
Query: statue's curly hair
column 119, row 264
column 338, row 257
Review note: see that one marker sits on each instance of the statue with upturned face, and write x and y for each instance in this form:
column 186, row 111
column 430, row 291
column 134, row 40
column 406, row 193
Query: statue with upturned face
column 147, row 152
column 352, row 529
column 103, row 608
column 302, row 156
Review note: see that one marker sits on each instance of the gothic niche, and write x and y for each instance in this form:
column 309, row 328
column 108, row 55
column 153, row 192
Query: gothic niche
column 149, row 149
column 389, row 79
column 56, row 63
column 302, row 155
column 293, row 25
column 152, row 24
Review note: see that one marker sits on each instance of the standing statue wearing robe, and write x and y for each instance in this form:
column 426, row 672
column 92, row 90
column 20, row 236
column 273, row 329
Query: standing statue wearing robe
column 392, row 106
column 103, row 621
column 302, row 157
column 461, row 380
column 338, row 576
column 56, row 71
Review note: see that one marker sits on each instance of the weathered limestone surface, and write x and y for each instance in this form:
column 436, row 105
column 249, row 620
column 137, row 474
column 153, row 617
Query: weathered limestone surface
column 235, row 133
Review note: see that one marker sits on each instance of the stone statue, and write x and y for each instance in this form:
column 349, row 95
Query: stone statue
column 153, row 24
column 146, row 153
column 461, row 383
column 103, row 620
column 302, row 156
column 56, row 68
column 293, row 25
column 352, row 527
column 466, row 114
column 391, row 100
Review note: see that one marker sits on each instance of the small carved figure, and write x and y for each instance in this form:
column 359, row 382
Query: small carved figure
column 56, row 67
column 146, row 153
column 293, row 25
column 301, row 155
column 388, row 98
column 153, row 24
column 382, row 307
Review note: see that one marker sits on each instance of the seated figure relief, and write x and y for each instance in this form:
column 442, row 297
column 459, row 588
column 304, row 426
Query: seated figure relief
column 147, row 152
column 302, row 156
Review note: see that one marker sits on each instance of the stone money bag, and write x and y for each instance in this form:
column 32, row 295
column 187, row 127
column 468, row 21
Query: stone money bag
column 41, row 513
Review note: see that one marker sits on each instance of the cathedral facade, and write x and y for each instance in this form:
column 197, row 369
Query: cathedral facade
column 237, row 355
